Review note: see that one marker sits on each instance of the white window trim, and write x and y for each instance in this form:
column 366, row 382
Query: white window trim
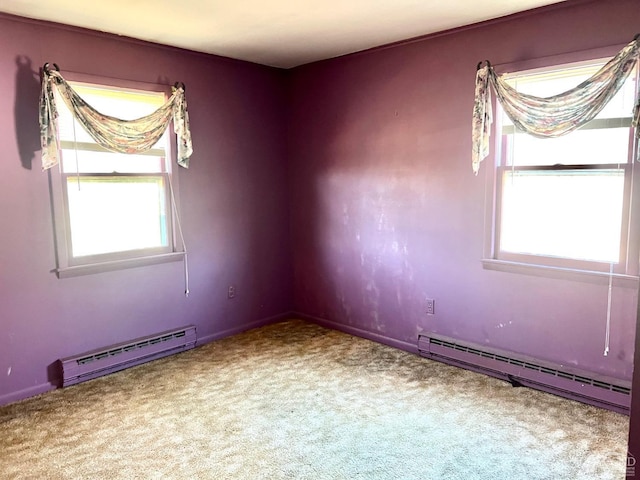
column 630, row 277
column 66, row 267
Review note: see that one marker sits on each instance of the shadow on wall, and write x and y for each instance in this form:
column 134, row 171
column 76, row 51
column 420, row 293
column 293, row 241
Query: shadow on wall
column 26, row 110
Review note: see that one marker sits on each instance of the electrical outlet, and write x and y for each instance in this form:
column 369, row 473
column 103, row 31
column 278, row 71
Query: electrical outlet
column 232, row 291
column 431, row 306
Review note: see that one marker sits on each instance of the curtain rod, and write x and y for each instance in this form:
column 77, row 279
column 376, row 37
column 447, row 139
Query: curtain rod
column 489, row 63
column 481, row 62
column 46, row 68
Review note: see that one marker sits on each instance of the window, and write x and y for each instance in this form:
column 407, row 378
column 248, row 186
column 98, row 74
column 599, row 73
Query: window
column 566, row 202
column 112, row 210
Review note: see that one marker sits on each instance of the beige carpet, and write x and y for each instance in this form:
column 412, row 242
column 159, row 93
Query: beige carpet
column 297, row 401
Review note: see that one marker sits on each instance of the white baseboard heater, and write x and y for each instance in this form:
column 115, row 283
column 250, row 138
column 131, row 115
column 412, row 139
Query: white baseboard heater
column 519, row 370
column 103, row 361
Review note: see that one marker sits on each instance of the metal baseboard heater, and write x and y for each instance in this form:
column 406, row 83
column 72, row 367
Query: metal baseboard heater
column 103, row 361
column 602, row 391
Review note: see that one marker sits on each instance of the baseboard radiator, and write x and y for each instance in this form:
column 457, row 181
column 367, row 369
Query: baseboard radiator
column 586, row 387
column 103, row 361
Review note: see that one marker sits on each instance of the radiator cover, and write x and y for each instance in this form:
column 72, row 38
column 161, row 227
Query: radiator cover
column 103, row 361
column 607, row 392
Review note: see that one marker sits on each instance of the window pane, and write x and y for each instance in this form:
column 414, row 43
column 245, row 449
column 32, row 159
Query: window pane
column 119, row 103
column 549, row 82
column 122, row 103
column 586, row 147
column 84, row 161
column 116, row 214
column 574, row 214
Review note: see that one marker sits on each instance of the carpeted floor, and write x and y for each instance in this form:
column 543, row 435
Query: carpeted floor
column 297, row 401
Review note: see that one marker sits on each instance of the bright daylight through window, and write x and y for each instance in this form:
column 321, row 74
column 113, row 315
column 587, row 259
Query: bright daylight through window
column 115, row 206
column 566, row 201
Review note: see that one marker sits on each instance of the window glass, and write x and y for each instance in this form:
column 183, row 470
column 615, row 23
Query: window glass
column 114, row 204
column 590, row 147
column 115, row 214
column 88, row 161
column 549, row 82
column 566, row 198
column 119, row 103
column 571, row 213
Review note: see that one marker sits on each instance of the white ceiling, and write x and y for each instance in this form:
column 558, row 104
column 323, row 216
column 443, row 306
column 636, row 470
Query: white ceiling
column 280, row 33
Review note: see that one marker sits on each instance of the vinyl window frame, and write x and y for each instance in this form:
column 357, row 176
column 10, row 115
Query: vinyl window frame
column 69, row 266
column 626, row 273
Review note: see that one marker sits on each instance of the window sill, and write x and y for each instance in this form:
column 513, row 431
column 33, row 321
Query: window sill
column 589, row 276
column 91, row 268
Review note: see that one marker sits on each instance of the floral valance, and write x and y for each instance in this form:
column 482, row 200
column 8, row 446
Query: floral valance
column 114, row 134
column 552, row 116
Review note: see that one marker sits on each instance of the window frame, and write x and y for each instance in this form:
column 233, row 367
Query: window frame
column 627, row 270
column 69, row 266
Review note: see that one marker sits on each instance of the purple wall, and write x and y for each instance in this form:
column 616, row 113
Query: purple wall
column 386, row 210
column 234, row 207
column 375, row 168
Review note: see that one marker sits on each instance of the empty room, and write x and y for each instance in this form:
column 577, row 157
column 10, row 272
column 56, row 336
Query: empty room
column 320, row 240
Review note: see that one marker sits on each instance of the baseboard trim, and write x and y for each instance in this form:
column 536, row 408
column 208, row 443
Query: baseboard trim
column 47, row 387
column 358, row 332
column 26, row 393
column 393, row 342
column 242, row 328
